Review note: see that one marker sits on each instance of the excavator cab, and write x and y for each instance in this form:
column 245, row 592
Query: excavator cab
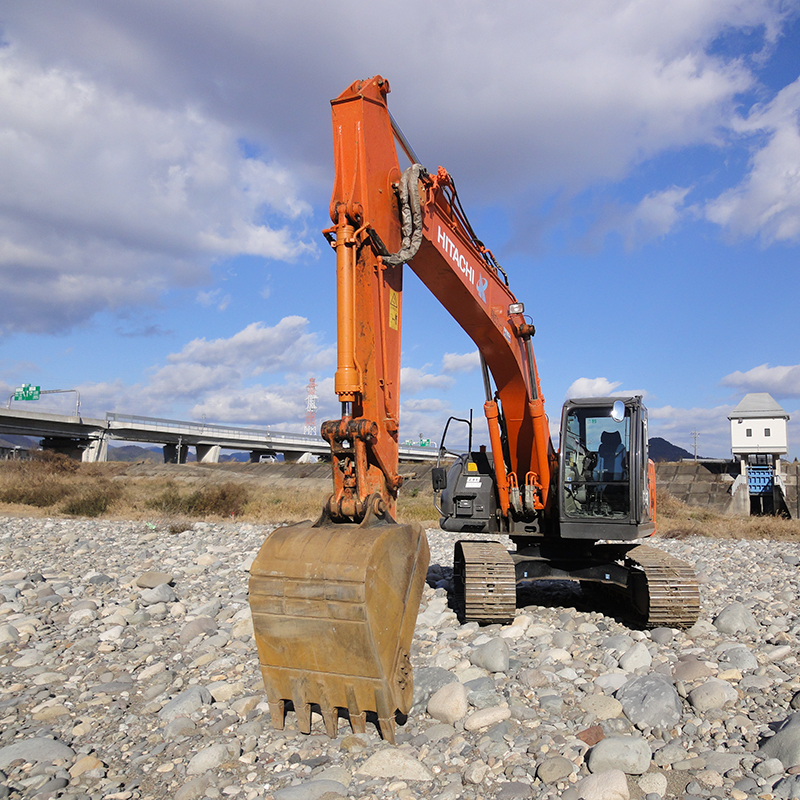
column 604, row 487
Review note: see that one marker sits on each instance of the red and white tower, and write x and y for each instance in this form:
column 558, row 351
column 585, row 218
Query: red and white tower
column 310, row 428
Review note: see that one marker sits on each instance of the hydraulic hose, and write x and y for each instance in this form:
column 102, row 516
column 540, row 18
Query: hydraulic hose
column 410, row 215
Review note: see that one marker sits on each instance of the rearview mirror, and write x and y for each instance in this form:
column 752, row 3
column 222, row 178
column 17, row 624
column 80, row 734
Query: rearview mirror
column 439, row 478
column 618, row 411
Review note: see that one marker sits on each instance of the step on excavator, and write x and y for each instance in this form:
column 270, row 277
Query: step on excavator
column 334, row 603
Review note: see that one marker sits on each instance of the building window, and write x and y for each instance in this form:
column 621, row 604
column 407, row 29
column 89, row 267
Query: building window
column 766, row 431
column 748, row 432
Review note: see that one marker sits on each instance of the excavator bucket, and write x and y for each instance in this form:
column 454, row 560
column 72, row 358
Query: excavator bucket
column 334, row 608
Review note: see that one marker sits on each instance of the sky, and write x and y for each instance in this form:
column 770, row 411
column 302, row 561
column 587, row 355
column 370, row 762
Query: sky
column 167, row 169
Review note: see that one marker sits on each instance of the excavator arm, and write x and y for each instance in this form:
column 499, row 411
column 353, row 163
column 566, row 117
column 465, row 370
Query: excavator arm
column 383, row 218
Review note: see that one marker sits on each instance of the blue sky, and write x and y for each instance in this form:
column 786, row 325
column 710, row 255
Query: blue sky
column 635, row 167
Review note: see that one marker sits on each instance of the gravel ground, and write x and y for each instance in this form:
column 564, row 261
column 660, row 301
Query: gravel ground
column 114, row 684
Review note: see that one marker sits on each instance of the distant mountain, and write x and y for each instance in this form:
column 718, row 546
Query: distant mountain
column 25, row 442
column 132, row 452
column 662, row 450
column 238, row 456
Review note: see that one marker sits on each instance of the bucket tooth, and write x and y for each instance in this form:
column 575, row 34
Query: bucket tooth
column 302, row 709
column 334, row 608
column 277, row 713
column 387, row 728
column 330, row 716
column 358, row 722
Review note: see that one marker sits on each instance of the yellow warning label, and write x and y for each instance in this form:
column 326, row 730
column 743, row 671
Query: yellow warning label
column 394, row 309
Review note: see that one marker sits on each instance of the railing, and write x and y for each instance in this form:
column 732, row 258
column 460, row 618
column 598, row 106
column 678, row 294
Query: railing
column 201, row 428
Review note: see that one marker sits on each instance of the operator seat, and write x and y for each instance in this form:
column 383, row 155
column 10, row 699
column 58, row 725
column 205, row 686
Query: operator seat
column 611, row 457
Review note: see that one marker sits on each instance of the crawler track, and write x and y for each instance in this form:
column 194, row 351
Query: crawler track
column 484, row 576
column 664, row 589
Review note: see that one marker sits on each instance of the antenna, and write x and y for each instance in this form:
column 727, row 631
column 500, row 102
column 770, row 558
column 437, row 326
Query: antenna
column 310, row 428
column 694, row 435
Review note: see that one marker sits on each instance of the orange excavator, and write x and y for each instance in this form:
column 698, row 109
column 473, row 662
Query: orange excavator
column 334, row 603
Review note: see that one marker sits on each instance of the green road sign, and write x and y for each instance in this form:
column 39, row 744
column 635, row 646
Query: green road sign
column 27, row 392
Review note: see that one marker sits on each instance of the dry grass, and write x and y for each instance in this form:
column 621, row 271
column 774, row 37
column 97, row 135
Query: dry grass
column 53, row 485
column 677, row 520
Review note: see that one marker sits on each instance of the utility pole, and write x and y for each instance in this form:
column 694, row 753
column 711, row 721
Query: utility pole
column 694, row 435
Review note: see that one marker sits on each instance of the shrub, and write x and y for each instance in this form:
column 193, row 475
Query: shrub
column 223, row 500
column 91, row 501
column 168, row 501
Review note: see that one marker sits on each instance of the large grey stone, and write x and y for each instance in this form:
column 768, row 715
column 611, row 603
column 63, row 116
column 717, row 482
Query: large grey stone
column 650, row 700
column 738, row 657
column 493, row 656
column 185, row 703
column 36, row 750
column 630, row 754
column 787, row 788
column 149, row 580
column 159, row 594
column 785, row 744
column 690, row 668
column 554, row 769
column 482, row 692
column 311, row 790
column 714, row 693
column 636, row 657
column 195, row 788
column 197, row 627
column 611, row 785
column 735, row 618
column 212, row 757
column 449, row 704
column 393, row 763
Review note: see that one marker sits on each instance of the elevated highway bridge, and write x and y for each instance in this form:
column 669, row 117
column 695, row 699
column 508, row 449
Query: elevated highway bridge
column 87, row 439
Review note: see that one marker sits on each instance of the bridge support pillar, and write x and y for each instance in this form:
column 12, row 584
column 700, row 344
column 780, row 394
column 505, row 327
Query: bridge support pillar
column 96, row 450
column 175, row 454
column 208, row 453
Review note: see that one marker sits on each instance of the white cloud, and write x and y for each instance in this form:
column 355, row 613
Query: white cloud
column 423, row 416
column 108, row 201
column 285, row 346
column 640, row 77
column 461, row 362
column 781, row 381
column 218, row 378
column 767, row 202
column 592, row 387
column 414, row 380
column 655, row 216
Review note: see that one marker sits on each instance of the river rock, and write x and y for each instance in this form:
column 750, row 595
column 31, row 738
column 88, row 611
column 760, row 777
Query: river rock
column 394, row 763
column 449, row 704
column 36, row 750
column 185, row 703
column 630, row 754
column 735, row 618
column 492, row 656
column 785, row 744
column 650, row 700
column 714, row 693
column 611, row 785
